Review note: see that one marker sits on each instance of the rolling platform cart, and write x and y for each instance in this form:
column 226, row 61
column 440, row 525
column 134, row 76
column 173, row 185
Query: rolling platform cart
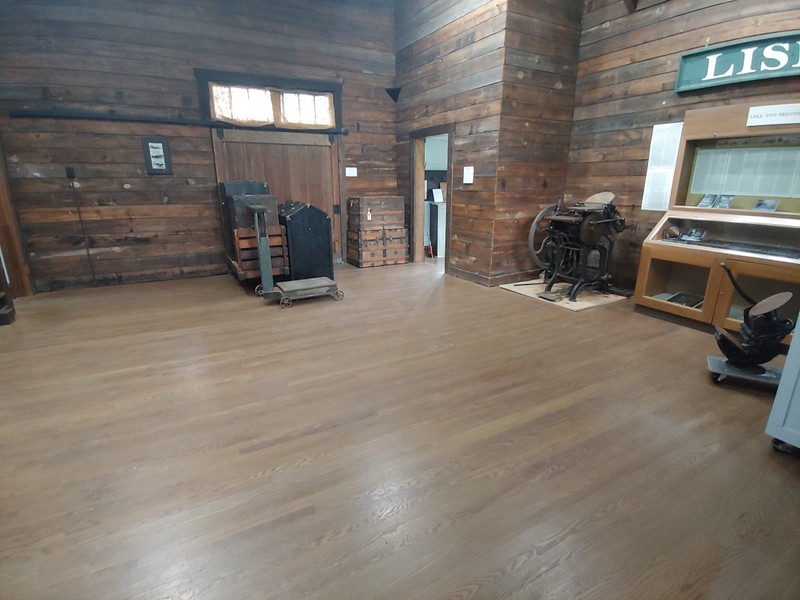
column 286, row 292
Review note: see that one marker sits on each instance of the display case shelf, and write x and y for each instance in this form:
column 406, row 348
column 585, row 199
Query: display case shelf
column 775, row 238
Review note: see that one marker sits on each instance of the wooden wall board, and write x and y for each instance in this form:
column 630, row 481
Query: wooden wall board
column 625, row 85
column 539, row 83
column 529, row 128
column 255, row 19
column 425, row 18
column 450, row 66
column 484, row 38
column 623, row 50
column 564, row 94
column 140, row 60
column 477, row 107
column 545, row 14
column 690, row 15
column 115, row 206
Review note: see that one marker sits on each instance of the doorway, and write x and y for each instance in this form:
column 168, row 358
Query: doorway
column 431, row 178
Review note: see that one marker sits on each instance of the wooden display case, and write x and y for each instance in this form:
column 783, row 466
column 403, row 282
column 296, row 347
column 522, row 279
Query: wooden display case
column 756, row 237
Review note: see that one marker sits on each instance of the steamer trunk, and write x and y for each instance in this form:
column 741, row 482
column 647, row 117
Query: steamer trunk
column 376, row 246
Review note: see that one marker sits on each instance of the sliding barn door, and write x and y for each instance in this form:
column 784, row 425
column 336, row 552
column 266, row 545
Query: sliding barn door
column 296, row 166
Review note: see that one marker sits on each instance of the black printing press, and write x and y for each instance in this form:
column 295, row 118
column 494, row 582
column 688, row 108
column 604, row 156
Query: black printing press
column 574, row 244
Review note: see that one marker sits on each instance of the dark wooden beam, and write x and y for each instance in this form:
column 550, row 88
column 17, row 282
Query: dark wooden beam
column 10, row 241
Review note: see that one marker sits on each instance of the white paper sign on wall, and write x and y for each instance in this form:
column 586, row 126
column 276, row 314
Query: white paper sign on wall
column 469, row 174
column 661, row 166
column 778, row 114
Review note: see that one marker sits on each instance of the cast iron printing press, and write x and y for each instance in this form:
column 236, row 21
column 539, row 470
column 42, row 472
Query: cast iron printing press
column 574, row 244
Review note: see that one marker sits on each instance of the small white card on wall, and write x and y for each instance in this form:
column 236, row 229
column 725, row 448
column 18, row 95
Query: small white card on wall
column 469, row 174
column 351, row 171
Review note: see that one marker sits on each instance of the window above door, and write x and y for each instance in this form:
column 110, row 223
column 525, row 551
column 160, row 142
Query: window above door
column 252, row 101
column 257, row 107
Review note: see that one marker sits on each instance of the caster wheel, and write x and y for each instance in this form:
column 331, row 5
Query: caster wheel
column 286, row 302
column 785, row 448
column 717, row 378
column 338, row 295
column 259, row 290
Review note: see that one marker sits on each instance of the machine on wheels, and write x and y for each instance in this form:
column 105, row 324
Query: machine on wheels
column 760, row 340
column 574, row 244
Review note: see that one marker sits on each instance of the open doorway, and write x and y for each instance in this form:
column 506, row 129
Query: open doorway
column 435, row 217
column 431, row 176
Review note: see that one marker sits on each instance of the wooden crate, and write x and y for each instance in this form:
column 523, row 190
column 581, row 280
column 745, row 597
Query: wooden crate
column 375, row 212
column 377, row 247
column 246, row 265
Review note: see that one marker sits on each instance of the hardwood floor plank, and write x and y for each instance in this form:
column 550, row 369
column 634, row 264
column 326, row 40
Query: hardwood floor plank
column 425, row 438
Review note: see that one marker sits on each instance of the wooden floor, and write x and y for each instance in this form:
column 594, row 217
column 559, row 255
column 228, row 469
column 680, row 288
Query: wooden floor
column 425, row 438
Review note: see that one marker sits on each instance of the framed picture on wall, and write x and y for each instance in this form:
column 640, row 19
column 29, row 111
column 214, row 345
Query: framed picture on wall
column 156, row 155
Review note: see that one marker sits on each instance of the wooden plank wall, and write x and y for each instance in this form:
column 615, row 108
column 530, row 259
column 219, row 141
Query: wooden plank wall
column 538, row 89
column 450, row 70
column 503, row 72
column 626, row 78
column 138, row 59
column 138, row 227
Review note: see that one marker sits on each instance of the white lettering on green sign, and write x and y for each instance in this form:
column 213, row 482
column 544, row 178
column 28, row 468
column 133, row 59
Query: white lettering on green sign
column 747, row 60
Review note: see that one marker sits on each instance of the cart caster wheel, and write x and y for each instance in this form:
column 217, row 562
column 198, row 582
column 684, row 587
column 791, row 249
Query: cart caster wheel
column 717, row 378
column 259, row 290
column 785, row 448
column 338, row 295
column 286, row 302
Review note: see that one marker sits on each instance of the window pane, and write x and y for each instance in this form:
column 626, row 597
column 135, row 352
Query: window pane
column 250, row 106
column 221, row 101
column 290, row 107
column 306, row 109
column 324, row 114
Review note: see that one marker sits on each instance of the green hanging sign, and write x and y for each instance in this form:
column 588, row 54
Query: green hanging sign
column 752, row 59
